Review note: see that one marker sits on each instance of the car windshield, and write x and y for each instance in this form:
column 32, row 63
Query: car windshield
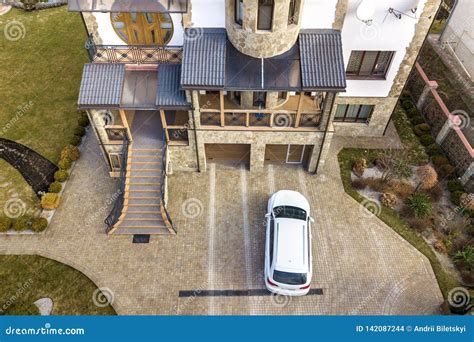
column 289, row 212
column 289, row 278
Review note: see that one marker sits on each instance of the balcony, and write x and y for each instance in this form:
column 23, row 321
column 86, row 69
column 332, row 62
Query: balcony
column 300, row 111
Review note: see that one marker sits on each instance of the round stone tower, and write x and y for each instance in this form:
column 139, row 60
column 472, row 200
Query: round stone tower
column 263, row 28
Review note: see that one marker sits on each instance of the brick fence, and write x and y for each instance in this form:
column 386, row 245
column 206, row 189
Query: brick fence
column 446, row 126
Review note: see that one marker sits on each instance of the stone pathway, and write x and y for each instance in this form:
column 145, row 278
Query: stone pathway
column 361, row 265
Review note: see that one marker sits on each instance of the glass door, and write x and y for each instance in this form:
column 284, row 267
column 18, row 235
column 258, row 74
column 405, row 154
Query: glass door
column 294, row 154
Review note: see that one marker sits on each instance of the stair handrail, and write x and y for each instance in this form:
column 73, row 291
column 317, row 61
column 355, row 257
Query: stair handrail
column 117, row 209
column 162, row 183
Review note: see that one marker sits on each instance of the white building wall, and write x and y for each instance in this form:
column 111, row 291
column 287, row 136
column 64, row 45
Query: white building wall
column 109, row 37
column 208, row 13
column 386, row 33
column 318, row 14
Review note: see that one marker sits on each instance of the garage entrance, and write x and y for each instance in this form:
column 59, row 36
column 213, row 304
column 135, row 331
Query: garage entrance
column 228, row 154
column 288, row 154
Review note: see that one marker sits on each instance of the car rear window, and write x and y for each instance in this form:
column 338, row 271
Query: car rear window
column 290, row 212
column 289, row 278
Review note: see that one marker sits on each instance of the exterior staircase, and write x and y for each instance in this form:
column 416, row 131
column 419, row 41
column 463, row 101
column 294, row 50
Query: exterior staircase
column 140, row 210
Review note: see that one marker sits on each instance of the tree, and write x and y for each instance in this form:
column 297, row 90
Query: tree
column 395, row 165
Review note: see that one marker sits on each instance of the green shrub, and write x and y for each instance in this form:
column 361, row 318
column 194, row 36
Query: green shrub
column 22, row 223
column 79, row 131
column 456, row 197
column 65, row 164
column 426, row 140
column 61, row 176
column 413, row 112
column 424, row 127
column 70, row 152
column 446, row 170
column 439, row 160
column 416, row 120
column 465, row 257
column 50, row 201
column 5, row 224
column 55, row 187
column 407, row 104
column 455, row 185
column 419, row 205
column 75, row 140
column 418, row 132
column 470, row 229
column 83, row 121
column 434, row 149
column 39, row 224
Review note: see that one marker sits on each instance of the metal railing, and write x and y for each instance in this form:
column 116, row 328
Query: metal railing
column 162, row 182
column 117, row 209
column 134, row 54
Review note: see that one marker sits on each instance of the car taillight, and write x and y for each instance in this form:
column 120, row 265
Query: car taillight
column 271, row 283
column 305, row 287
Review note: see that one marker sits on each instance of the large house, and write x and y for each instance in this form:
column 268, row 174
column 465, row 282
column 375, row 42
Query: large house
column 176, row 84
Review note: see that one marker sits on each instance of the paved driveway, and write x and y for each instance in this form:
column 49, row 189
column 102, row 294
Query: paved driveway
column 215, row 263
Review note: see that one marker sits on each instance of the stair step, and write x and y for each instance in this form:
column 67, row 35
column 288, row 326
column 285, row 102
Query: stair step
column 144, row 187
column 142, row 224
column 143, row 208
column 145, row 201
column 144, row 173
column 143, row 216
column 142, row 193
column 144, row 166
column 144, row 180
column 150, row 152
column 145, row 231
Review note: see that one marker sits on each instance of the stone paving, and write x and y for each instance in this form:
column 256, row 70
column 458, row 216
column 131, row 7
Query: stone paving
column 362, row 266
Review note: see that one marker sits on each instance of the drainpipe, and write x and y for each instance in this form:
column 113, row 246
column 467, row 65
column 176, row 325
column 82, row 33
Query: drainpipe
column 196, row 139
column 85, row 25
column 325, row 130
column 449, row 19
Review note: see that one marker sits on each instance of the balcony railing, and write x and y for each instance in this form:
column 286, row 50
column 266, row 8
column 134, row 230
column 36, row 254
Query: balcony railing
column 132, row 54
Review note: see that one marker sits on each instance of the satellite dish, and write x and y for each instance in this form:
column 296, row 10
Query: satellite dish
column 412, row 5
column 365, row 11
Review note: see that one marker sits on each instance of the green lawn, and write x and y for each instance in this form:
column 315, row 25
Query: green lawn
column 42, row 69
column 27, row 278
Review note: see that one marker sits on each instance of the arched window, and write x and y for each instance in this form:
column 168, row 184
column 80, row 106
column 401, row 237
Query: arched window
column 294, row 12
column 239, row 11
column 143, row 28
column 265, row 14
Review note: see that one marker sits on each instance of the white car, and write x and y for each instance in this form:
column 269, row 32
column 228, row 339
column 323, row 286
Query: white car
column 288, row 259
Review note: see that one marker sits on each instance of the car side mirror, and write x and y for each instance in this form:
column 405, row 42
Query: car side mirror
column 311, row 220
column 268, row 215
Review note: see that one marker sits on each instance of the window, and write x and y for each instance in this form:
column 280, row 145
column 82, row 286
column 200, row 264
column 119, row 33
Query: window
column 353, row 113
column 239, row 11
column 272, row 238
column 290, row 278
column 293, row 13
column 290, row 212
column 369, row 64
column 265, row 14
column 115, row 161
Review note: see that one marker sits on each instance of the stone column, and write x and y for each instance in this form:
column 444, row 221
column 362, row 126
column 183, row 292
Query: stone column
column 246, row 99
column 424, row 95
column 201, row 153
column 341, row 9
column 257, row 156
column 443, row 133
column 313, row 165
column 468, row 174
column 272, row 99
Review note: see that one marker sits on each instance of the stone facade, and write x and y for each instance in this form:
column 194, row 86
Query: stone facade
column 257, row 43
column 341, row 9
column 92, row 26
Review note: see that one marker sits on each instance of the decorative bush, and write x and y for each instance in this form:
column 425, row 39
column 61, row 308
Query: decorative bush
column 61, row 176
column 436, row 193
column 434, row 149
column 65, row 164
column 359, row 166
column 22, row 223
column 417, row 119
column 39, row 224
column 419, row 205
column 79, row 131
column 466, row 200
column 455, row 185
column 413, row 113
column 50, row 201
column 421, row 129
column 55, row 187
column 465, row 257
column 83, row 121
column 75, row 140
column 407, row 105
column 470, row 229
column 383, row 163
column 439, row 160
column 401, row 189
column 456, row 197
column 5, row 224
column 427, row 177
column 426, row 140
column 70, row 152
column 388, row 199
column 446, row 170
column 358, row 184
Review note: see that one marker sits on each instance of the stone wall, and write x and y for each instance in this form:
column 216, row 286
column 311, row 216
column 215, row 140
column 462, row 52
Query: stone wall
column 247, row 39
column 92, row 26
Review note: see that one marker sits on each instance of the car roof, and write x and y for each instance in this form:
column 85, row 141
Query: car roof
column 291, row 245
